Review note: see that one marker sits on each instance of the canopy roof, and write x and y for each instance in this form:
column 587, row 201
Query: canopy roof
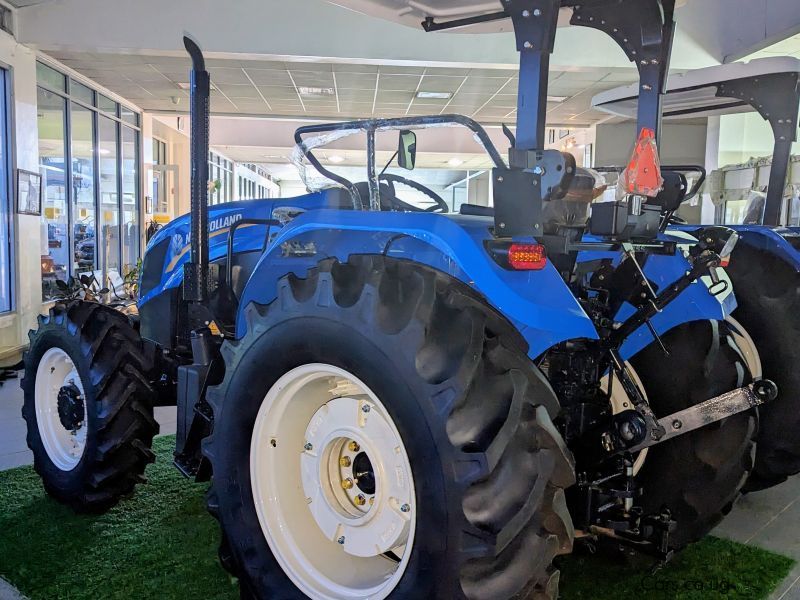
column 694, row 93
column 413, row 12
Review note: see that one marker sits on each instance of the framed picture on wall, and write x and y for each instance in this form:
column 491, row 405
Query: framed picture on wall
column 29, row 193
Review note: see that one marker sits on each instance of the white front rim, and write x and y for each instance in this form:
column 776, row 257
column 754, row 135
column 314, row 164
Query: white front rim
column 64, row 447
column 332, row 485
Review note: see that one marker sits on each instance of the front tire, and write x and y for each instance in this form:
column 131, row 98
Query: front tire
column 697, row 476
column 87, row 404
column 466, row 414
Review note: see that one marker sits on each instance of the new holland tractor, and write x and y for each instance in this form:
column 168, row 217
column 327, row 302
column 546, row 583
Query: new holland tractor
column 765, row 265
column 394, row 401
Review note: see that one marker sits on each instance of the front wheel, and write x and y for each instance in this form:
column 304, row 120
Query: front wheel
column 381, row 433
column 88, row 405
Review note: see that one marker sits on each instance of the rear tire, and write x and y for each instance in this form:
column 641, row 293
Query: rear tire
column 88, row 405
column 697, row 476
column 768, row 293
column 472, row 413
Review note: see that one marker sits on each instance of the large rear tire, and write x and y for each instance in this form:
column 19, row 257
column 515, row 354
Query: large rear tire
column 468, row 415
column 697, row 476
column 87, row 404
column 768, row 293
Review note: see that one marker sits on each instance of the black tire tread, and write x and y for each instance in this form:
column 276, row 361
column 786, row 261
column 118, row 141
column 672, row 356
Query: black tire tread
column 768, row 293
column 698, row 476
column 125, row 426
column 510, row 463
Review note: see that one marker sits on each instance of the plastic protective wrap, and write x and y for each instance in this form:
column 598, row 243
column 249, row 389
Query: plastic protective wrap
column 316, row 181
column 754, row 209
column 573, row 209
column 642, row 176
column 311, row 178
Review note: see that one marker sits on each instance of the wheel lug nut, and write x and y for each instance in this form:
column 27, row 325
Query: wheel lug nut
column 405, row 508
column 308, row 446
column 360, row 500
column 344, row 461
column 341, row 541
column 353, row 447
column 372, row 501
column 365, row 408
column 347, row 483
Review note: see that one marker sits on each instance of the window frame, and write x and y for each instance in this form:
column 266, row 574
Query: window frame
column 120, row 122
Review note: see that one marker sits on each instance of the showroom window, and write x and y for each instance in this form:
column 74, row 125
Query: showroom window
column 89, row 158
column 220, row 171
column 6, row 247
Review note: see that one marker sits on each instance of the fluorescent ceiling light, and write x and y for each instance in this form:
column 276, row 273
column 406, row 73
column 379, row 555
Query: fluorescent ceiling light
column 336, row 159
column 455, row 162
column 434, row 95
column 315, row 91
column 104, row 151
column 556, row 98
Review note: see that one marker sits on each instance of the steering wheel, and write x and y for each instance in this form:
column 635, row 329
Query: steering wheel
column 391, row 179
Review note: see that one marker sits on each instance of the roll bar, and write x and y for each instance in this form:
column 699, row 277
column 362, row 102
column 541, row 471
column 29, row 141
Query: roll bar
column 371, row 127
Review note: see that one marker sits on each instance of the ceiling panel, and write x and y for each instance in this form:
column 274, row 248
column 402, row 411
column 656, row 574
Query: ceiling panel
column 269, row 87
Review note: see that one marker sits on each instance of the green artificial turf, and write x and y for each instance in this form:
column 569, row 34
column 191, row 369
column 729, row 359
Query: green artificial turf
column 162, row 544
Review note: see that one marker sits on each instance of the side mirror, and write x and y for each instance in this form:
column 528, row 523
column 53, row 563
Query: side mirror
column 407, row 150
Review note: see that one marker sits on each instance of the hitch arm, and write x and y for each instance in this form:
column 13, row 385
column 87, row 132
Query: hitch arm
column 712, row 410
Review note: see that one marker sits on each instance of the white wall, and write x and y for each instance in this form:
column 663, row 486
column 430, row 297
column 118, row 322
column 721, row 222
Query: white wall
column 680, row 144
column 745, row 136
column 26, row 230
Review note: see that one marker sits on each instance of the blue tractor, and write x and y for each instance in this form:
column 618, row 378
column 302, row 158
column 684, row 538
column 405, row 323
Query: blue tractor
column 765, row 265
column 394, row 401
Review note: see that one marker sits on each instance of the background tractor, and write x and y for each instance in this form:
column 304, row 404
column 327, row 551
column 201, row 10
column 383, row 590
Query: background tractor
column 765, row 265
column 394, row 401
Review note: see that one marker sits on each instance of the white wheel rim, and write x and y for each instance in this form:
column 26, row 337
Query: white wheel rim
column 748, row 347
column 64, row 447
column 330, row 538
column 620, row 402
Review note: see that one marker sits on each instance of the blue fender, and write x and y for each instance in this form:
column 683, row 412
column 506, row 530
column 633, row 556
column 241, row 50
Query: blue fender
column 538, row 303
column 696, row 303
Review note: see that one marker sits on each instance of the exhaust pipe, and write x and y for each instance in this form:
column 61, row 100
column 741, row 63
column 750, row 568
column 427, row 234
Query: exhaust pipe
column 195, row 274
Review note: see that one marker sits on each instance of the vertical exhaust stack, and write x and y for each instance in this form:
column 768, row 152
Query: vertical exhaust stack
column 195, row 276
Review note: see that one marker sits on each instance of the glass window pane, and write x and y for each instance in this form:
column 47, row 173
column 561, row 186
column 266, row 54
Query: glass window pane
column 83, row 207
column 107, row 104
column 130, row 197
column 109, row 199
column 50, row 77
column 51, row 115
column 80, row 92
column 129, row 116
column 6, row 264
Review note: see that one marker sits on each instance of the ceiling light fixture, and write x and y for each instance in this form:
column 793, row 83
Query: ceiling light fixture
column 315, row 91
column 336, row 159
column 455, row 162
column 434, row 95
column 556, row 98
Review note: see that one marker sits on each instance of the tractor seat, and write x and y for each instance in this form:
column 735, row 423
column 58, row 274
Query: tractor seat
column 385, row 192
column 476, row 210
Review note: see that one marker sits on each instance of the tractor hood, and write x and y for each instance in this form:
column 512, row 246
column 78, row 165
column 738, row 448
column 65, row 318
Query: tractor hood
column 413, row 12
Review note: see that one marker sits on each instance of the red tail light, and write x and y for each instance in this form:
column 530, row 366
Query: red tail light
column 527, row 257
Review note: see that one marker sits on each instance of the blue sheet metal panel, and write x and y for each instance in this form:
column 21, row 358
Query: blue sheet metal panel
column 220, row 219
column 694, row 304
column 538, row 303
